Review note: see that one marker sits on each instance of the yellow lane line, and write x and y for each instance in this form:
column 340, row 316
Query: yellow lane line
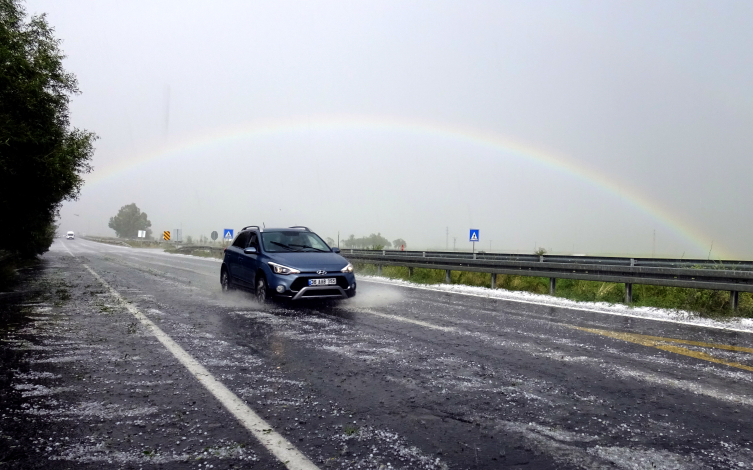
column 659, row 342
column 675, row 340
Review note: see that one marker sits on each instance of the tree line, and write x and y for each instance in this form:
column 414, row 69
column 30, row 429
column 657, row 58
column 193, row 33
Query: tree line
column 374, row 241
column 42, row 157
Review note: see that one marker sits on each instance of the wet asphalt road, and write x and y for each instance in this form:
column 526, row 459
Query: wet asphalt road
column 395, row 378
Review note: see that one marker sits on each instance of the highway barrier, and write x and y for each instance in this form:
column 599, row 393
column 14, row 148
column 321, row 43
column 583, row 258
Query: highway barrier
column 733, row 276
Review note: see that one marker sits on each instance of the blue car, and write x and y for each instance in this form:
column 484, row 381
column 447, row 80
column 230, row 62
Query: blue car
column 293, row 263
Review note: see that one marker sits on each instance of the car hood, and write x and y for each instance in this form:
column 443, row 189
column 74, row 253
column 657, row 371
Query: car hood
column 331, row 262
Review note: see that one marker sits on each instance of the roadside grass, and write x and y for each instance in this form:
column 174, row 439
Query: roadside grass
column 8, row 275
column 9, row 267
column 704, row 303
column 128, row 242
column 199, row 251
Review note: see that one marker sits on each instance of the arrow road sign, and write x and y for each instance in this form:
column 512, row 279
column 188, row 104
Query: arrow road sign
column 228, row 234
column 474, row 235
column 214, row 235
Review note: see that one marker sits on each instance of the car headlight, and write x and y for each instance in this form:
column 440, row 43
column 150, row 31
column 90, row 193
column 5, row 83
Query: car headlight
column 280, row 269
column 347, row 269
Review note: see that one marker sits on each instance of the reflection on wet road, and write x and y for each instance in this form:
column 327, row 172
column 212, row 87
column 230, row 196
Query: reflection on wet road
column 394, row 378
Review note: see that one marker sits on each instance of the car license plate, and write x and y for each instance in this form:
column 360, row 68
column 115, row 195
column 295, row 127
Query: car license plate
column 322, row 282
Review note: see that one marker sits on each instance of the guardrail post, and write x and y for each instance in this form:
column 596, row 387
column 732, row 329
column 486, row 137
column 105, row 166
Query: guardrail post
column 552, row 285
column 423, row 254
column 632, row 262
column 474, row 255
column 447, row 278
column 734, row 297
column 494, row 280
column 410, row 272
column 628, row 293
column 384, row 252
column 379, row 269
column 541, row 258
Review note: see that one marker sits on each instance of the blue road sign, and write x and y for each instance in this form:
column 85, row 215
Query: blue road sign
column 474, row 235
column 228, row 234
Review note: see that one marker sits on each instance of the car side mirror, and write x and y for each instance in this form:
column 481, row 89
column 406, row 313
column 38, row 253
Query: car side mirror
column 251, row 250
column 335, row 250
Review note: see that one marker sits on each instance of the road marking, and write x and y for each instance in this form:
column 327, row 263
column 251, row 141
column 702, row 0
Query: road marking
column 66, row 249
column 404, row 319
column 277, row 444
column 564, row 307
column 659, row 342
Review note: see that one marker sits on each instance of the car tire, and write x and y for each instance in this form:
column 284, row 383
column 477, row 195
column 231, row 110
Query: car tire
column 225, row 281
column 262, row 291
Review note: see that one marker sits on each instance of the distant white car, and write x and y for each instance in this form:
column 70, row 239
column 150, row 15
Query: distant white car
column 69, row 236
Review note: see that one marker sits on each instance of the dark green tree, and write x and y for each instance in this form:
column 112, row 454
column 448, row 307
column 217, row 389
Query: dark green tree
column 399, row 243
column 42, row 158
column 129, row 221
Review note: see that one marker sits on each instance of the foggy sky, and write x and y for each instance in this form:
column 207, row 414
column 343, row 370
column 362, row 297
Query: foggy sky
column 653, row 98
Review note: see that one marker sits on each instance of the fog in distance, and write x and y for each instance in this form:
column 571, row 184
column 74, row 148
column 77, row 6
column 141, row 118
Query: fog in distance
column 580, row 127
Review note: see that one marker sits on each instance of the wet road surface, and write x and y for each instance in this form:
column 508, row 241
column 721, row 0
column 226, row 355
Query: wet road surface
column 395, row 378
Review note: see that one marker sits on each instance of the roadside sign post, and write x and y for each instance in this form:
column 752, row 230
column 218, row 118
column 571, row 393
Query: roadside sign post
column 474, row 237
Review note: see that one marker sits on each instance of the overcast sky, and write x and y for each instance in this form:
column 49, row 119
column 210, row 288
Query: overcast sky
column 581, row 127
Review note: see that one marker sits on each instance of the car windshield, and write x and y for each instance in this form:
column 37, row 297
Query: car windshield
column 285, row 241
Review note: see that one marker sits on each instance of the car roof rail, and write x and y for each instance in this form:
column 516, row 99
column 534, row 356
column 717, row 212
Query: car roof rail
column 301, row 226
column 250, row 226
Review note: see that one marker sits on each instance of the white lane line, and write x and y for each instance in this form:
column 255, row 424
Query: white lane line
column 404, row 319
column 564, row 307
column 280, row 447
column 66, row 249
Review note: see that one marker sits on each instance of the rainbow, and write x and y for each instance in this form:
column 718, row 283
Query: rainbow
column 559, row 163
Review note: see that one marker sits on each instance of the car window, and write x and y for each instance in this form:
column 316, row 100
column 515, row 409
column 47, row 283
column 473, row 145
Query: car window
column 252, row 241
column 293, row 241
column 241, row 239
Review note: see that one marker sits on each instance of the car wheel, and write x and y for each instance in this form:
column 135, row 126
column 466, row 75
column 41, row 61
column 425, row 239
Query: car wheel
column 225, row 281
column 261, row 290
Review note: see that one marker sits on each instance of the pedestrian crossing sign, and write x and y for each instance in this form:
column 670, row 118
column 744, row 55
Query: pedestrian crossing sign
column 474, row 235
column 228, row 234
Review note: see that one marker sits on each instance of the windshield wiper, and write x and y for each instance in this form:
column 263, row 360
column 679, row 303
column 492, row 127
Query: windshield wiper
column 306, row 246
column 284, row 246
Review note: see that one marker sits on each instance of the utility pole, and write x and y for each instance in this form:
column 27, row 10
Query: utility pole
column 454, row 242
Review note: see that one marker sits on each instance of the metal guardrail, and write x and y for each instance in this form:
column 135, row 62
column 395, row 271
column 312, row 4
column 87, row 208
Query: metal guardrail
column 734, row 276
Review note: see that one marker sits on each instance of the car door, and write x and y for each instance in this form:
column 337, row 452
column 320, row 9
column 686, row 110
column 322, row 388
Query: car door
column 235, row 263
column 249, row 261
